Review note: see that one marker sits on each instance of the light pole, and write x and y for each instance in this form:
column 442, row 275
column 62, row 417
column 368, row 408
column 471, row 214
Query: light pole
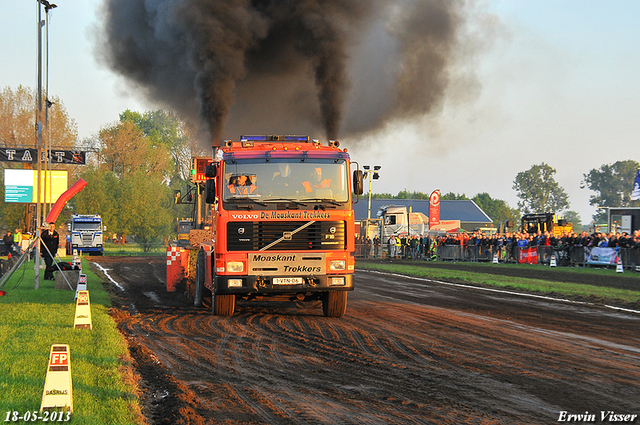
column 41, row 23
column 47, row 105
column 372, row 175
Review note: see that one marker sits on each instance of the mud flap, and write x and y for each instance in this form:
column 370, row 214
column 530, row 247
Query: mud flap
column 199, row 281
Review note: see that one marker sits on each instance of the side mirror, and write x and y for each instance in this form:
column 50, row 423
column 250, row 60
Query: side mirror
column 358, row 182
column 177, row 195
column 210, row 171
column 210, row 191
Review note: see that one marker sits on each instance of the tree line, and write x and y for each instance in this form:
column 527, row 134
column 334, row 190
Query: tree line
column 539, row 192
column 137, row 162
column 133, row 166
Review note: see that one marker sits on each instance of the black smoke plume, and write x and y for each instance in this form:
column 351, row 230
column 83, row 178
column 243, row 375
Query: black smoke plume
column 284, row 66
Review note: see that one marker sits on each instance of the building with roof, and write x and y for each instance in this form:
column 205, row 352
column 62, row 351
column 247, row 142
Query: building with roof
column 468, row 212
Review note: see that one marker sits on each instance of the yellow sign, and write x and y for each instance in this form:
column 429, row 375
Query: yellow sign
column 82, row 284
column 21, row 186
column 53, row 184
column 57, row 392
column 83, row 311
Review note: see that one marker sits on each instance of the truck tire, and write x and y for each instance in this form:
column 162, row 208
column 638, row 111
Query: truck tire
column 334, row 303
column 199, row 281
column 223, row 305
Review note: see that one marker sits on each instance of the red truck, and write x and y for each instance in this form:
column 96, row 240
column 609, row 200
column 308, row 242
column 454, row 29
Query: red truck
column 282, row 224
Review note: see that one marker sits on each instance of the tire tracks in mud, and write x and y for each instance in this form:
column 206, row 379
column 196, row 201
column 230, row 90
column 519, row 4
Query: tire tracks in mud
column 284, row 367
column 386, row 361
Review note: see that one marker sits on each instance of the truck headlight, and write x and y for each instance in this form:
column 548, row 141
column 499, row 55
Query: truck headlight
column 235, row 266
column 337, row 281
column 337, row 265
column 234, row 283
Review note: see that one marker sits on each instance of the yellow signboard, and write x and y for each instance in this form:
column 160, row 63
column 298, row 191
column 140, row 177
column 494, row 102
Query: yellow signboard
column 52, row 184
column 83, row 311
column 57, row 392
column 21, row 186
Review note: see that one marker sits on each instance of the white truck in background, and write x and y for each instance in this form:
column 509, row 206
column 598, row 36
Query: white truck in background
column 85, row 234
column 394, row 219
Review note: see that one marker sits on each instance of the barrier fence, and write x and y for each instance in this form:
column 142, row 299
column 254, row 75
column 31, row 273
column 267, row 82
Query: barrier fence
column 572, row 256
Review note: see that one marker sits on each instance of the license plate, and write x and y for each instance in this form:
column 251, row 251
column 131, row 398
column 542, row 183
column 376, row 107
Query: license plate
column 287, row 280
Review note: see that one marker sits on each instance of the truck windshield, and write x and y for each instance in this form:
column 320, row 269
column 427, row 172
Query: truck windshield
column 86, row 226
column 293, row 180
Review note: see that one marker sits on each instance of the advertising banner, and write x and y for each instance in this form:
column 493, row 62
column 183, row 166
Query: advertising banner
column 434, row 208
column 528, row 255
column 30, row 156
column 602, row 256
column 635, row 193
column 21, row 186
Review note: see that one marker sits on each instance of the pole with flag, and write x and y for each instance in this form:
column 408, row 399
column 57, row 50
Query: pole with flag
column 635, row 193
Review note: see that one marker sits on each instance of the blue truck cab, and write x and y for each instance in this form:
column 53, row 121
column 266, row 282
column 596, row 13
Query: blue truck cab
column 85, row 234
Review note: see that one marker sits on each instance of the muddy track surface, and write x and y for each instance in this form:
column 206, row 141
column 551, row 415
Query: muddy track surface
column 627, row 280
column 408, row 351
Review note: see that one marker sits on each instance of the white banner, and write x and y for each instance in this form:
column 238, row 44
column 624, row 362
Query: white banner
column 635, row 193
column 604, row 256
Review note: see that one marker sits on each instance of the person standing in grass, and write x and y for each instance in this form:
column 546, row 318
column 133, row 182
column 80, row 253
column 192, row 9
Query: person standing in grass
column 17, row 241
column 8, row 243
column 49, row 248
column 392, row 246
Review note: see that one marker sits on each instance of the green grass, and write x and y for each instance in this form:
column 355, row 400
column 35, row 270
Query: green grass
column 104, row 390
column 570, row 290
column 132, row 249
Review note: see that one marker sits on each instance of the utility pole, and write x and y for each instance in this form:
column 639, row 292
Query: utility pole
column 39, row 144
column 372, row 175
column 39, row 212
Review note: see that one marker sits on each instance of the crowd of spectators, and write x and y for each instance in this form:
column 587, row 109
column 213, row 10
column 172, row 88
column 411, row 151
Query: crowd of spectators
column 425, row 247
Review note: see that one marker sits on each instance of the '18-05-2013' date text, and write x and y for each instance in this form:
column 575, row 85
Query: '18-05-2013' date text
column 34, row 415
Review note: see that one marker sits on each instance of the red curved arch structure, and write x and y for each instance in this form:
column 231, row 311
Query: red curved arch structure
column 62, row 200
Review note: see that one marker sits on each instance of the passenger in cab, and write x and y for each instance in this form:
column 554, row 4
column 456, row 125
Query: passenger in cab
column 241, row 185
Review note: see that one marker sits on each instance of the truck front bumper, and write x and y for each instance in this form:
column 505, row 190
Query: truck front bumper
column 270, row 285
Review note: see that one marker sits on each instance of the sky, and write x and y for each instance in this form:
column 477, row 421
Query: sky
column 558, row 82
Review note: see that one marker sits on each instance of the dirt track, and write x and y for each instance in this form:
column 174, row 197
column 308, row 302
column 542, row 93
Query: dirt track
column 408, row 351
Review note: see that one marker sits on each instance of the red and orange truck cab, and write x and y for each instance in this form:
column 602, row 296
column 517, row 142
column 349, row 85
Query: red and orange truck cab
column 283, row 223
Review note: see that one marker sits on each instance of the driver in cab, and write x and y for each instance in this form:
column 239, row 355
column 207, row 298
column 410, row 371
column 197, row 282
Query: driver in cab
column 316, row 182
column 241, row 185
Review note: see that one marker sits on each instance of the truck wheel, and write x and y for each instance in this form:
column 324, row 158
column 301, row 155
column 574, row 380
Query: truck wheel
column 223, row 305
column 199, row 281
column 334, row 304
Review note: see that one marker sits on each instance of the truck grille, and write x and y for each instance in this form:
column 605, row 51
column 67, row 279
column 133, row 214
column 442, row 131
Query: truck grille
column 87, row 239
column 318, row 236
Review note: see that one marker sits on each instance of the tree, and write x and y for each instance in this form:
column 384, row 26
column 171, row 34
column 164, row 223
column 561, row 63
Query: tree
column 128, row 184
column 100, row 196
column 574, row 218
column 497, row 209
column 405, row 194
column 454, row 197
column 165, row 129
column 539, row 191
column 145, row 209
column 125, row 149
column 17, row 120
column 612, row 184
column 381, row 196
